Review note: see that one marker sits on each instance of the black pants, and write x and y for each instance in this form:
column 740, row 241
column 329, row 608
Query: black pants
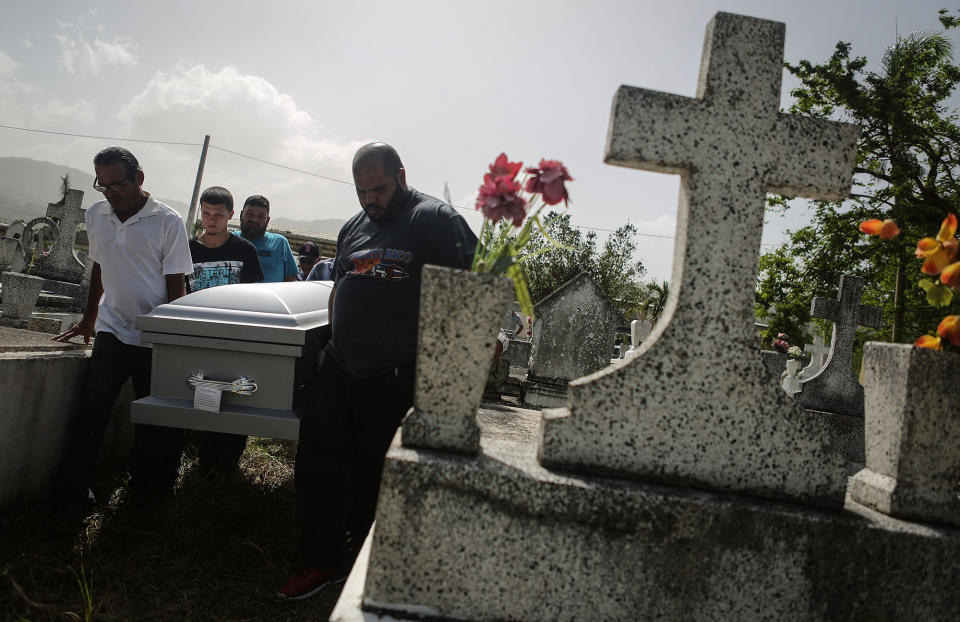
column 156, row 450
column 345, row 432
column 220, row 451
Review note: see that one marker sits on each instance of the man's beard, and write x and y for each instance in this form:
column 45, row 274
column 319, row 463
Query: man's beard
column 397, row 201
column 250, row 230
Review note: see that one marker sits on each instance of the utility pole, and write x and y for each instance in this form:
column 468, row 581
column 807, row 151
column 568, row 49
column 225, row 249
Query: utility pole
column 192, row 214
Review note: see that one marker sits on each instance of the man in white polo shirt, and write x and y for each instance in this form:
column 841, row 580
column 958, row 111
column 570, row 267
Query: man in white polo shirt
column 140, row 254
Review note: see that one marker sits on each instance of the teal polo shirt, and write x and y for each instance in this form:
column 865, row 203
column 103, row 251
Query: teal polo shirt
column 276, row 258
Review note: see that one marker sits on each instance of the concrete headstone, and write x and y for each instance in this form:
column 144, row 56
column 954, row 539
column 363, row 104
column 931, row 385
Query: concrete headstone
column 690, row 408
column 15, row 230
column 790, row 380
column 639, row 330
column 62, row 263
column 835, row 388
column 12, row 258
column 20, row 292
column 912, row 434
column 573, row 336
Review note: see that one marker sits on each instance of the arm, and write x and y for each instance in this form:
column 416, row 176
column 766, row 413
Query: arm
column 290, row 268
column 84, row 327
column 176, row 287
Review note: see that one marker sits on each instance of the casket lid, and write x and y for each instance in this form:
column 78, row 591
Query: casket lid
column 284, row 313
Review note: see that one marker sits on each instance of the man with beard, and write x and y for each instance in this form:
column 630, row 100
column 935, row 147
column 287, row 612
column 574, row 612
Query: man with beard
column 140, row 254
column 276, row 258
column 364, row 385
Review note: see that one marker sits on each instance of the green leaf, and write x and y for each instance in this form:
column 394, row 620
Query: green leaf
column 520, row 288
column 939, row 295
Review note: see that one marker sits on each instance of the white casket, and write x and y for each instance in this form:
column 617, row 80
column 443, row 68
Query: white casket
column 234, row 358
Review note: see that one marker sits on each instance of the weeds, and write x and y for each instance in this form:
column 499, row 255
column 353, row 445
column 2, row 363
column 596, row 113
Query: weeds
column 215, row 550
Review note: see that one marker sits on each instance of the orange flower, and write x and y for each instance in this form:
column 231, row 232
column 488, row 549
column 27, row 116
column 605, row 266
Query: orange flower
column 951, row 275
column 949, row 328
column 940, row 251
column 928, row 341
column 886, row 229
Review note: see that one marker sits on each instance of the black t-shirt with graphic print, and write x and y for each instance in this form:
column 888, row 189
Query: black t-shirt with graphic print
column 377, row 278
column 235, row 261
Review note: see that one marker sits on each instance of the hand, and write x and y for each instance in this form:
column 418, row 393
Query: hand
column 83, row 328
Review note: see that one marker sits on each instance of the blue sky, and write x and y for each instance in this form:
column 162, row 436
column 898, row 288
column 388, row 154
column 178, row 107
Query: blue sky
column 450, row 84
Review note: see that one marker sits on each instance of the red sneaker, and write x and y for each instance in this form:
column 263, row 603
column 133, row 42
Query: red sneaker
column 308, row 582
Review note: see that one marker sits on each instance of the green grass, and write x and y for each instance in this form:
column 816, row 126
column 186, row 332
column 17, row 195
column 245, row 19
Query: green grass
column 216, row 550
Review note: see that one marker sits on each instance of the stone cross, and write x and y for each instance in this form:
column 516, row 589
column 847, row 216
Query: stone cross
column 818, row 352
column 835, row 388
column 62, row 264
column 690, row 409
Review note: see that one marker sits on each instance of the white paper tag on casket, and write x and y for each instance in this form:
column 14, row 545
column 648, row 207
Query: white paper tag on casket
column 207, row 398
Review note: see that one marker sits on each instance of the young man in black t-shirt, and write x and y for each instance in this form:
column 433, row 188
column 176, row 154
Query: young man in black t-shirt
column 220, row 258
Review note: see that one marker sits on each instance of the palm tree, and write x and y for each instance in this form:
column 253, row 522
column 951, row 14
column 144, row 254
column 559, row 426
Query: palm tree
column 64, row 186
column 903, row 79
column 655, row 300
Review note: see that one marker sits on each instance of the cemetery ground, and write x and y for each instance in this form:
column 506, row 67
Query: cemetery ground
column 215, row 550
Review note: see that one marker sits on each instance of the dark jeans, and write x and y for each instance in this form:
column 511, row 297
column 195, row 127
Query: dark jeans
column 345, row 432
column 156, row 450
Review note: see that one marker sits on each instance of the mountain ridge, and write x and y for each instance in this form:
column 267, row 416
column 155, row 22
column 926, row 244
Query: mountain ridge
column 27, row 186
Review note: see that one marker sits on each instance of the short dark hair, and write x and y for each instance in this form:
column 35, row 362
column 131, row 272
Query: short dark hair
column 217, row 195
column 112, row 155
column 257, row 200
column 387, row 155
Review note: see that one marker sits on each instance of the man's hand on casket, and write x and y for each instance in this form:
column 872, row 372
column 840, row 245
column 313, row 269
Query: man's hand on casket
column 83, row 328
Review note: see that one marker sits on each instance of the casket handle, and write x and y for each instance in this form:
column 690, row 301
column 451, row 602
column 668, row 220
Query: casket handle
column 240, row 386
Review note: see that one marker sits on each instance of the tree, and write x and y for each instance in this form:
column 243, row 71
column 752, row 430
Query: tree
column 64, row 185
column 655, row 300
column 546, row 268
column 907, row 156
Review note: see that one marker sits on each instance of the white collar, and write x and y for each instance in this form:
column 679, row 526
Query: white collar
column 150, row 208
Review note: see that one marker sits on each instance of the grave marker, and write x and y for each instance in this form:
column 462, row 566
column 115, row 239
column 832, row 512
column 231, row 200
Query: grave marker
column 573, row 336
column 688, row 409
column 819, row 352
column 62, row 264
column 835, row 388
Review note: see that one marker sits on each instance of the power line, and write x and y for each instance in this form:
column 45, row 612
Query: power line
column 283, row 166
column 289, row 168
column 129, row 140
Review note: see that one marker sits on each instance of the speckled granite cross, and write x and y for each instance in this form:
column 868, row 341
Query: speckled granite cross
column 691, row 408
column 61, row 263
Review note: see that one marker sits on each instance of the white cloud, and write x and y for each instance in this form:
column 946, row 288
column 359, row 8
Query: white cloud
column 59, row 113
column 79, row 57
column 26, row 43
column 8, row 67
column 246, row 114
column 11, row 90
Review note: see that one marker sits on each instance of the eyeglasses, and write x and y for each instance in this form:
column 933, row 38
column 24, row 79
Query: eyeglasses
column 115, row 187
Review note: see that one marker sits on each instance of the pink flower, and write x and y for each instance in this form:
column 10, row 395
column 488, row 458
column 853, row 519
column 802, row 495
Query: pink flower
column 499, row 199
column 548, row 180
column 502, row 166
